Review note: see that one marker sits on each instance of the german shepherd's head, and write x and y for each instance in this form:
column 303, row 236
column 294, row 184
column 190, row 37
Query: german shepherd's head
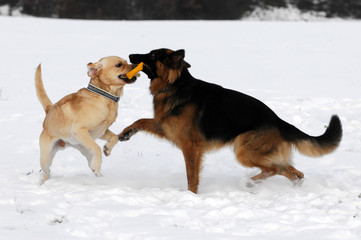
column 162, row 66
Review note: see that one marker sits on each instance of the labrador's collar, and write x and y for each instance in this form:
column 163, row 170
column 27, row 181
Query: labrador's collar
column 102, row 92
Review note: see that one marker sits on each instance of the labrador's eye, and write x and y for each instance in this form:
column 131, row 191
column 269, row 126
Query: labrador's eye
column 118, row 65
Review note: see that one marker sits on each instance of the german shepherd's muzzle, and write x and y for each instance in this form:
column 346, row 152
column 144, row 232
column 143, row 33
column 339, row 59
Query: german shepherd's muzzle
column 149, row 67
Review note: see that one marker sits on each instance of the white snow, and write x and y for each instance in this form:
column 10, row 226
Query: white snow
column 304, row 71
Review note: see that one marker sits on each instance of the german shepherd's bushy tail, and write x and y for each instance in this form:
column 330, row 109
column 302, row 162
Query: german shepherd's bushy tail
column 40, row 91
column 314, row 146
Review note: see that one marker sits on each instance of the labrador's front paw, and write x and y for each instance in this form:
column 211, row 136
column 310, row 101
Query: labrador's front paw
column 109, row 145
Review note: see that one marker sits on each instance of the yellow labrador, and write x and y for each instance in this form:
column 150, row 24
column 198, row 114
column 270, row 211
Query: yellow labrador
column 80, row 118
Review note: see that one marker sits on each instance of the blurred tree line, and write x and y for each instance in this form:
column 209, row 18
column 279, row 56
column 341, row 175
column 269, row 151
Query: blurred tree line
column 175, row 9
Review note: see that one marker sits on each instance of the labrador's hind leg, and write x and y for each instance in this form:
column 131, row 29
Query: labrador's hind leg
column 84, row 138
column 48, row 148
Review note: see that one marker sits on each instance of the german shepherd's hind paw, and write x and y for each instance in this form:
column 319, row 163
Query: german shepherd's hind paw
column 298, row 182
column 125, row 136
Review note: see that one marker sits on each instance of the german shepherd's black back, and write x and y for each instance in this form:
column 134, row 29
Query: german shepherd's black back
column 198, row 116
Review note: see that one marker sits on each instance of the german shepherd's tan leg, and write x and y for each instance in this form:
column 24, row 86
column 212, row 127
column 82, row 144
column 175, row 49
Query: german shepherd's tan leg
column 193, row 159
column 292, row 174
column 249, row 157
column 266, row 173
column 289, row 172
column 112, row 140
column 267, row 151
column 84, row 138
column 144, row 124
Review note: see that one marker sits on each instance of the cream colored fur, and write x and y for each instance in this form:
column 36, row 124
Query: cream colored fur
column 80, row 118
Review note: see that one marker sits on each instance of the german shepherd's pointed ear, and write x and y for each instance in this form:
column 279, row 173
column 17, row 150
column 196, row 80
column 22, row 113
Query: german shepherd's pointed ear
column 187, row 65
column 178, row 58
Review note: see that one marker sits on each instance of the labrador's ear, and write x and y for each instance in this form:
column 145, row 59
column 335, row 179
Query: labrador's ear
column 93, row 69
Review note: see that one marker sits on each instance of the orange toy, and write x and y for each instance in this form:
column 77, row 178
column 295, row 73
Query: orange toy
column 138, row 68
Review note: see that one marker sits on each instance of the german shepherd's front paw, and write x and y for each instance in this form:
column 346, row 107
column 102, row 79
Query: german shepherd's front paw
column 127, row 134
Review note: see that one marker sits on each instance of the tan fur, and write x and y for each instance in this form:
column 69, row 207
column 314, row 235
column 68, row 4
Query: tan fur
column 168, row 75
column 79, row 118
column 312, row 149
column 40, row 91
column 268, row 151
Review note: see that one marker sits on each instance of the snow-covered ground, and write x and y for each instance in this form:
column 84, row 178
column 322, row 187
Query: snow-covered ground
column 304, row 71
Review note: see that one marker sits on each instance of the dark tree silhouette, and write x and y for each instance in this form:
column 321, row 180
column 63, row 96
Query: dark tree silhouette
column 175, row 9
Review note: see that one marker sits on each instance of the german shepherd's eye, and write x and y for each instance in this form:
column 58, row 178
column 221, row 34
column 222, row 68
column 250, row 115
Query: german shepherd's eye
column 118, row 65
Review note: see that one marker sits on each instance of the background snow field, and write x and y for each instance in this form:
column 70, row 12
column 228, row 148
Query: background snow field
column 304, row 71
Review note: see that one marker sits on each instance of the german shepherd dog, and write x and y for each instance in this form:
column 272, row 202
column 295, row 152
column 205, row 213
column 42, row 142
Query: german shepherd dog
column 198, row 117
